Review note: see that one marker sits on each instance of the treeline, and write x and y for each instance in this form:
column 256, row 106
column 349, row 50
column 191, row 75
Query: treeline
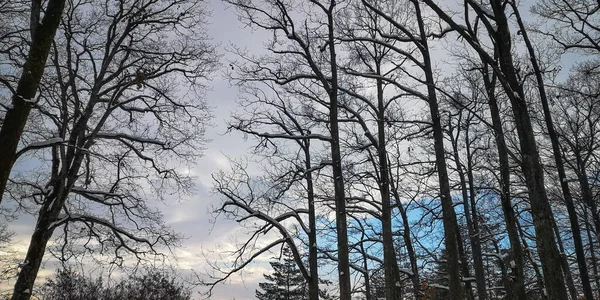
column 447, row 147
column 68, row 284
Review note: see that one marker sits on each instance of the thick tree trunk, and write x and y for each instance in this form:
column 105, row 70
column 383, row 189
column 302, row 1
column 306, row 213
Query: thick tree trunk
column 62, row 183
column 33, row 69
column 37, row 246
column 585, row 281
column 534, row 264
column 565, row 265
column 543, row 218
column 449, row 215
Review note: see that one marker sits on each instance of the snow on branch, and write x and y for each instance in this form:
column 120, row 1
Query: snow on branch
column 39, row 145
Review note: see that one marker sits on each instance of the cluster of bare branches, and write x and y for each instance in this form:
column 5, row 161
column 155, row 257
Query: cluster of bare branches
column 118, row 116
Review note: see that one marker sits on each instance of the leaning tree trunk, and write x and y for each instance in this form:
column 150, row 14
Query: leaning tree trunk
column 573, row 218
column 49, row 213
column 541, row 212
column 33, row 69
column 449, row 215
column 534, row 265
column 565, row 265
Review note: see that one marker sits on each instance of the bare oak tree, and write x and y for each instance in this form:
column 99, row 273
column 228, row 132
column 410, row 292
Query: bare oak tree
column 120, row 109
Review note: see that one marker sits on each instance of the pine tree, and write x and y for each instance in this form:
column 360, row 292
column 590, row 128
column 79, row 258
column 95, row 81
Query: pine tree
column 286, row 281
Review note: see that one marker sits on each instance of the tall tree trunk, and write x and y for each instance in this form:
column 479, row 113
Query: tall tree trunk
column 62, row 182
column 464, row 265
column 588, row 230
column 365, row 262
column 313, row 283
column 338, row 180
column 534, row 265
column 449, row 215
column 543, row 218
column 473, row 236
column 585, row 281
column 390, row 264
column 565, row 265
column 475, row 239
column 517, row 290
column 33, row 70
column 586, row 192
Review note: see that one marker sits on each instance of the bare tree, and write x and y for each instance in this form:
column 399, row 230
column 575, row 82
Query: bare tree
column 304, row 48
column 121, row 108
column 573, row 25
column 283, row 199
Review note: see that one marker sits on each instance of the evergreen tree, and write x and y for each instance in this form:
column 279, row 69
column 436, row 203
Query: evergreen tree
column 286, row 282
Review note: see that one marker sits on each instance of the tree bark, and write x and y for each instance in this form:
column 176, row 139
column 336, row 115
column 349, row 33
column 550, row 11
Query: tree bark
column 565, row 265
column 592, row 250
column 473, row 236
column 416, row 281
column 37, row 246
column 22, row 101
column 543, row 218
column 586, row 192
column 475, row 239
